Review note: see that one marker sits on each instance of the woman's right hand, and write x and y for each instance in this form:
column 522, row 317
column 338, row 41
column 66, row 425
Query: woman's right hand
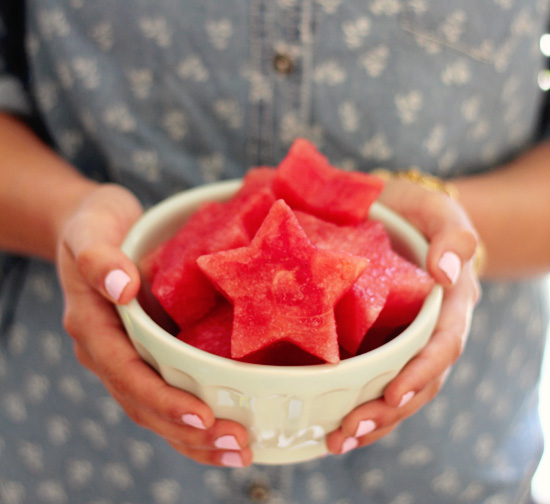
column 95, row 274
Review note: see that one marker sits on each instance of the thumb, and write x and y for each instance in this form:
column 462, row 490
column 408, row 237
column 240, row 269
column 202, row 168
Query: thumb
column 93, row 235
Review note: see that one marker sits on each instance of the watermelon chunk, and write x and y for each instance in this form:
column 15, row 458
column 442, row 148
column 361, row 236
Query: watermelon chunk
column 283, row 288
column 212, row 333
column 177, row 282
column 358, row 309
column 307, row 182
column 408, row 289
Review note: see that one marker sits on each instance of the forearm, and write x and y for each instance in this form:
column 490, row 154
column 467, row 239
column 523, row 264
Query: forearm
column 510, row 208
column 38, row 190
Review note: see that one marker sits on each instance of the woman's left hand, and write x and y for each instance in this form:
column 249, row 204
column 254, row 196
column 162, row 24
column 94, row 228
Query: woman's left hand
column 453, row 242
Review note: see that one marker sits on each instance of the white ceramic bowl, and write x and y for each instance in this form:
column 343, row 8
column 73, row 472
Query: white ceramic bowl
column 287, row 410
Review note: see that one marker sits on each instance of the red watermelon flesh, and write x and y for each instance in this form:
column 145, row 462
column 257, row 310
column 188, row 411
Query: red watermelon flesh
column 283, row 288
column 178, row 283
column 212, row 333
column 307, row 182
column 257, row 179
column 409, row 287
column 252, row 207
column 358, row 309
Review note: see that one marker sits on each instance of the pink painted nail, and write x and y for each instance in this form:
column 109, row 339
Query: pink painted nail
column 349, row 444
column 450, row 265
column 232, row 459
column 364, row 427
column 115, row 282
column 227, row 442
column 193, row 420
column 406, row 398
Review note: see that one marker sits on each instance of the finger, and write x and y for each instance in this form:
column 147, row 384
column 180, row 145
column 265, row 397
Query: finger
column 444, row 347
column 135, row 384
column 442, row 221
column 93, row 236
column 222, row 458
column 375, row 419
column 339, row 443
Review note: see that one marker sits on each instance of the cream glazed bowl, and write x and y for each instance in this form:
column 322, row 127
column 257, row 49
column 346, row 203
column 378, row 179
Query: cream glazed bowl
column 288, row 410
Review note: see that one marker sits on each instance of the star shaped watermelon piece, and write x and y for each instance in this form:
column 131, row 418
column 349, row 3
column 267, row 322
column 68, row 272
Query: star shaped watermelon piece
column 283, row 288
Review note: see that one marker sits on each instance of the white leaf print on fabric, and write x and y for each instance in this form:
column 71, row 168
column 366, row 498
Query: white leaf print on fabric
column 349, row 116
column 457, row 73
column 435, row 140
column 453, row 26
column 219, row 33
column 260, row 89
column 103, row 35
column 403, row 498
column 94, row 433
column 330, row 73
column 461, row 426
column 447, row 483
column 470, row 108
column 117, row 475
column 416, row 455
column 436, row 412
column 193, row 68
column 166, row 491
column 141, row 82
column 230, row 112
column 377, row 148
column 146, row 162
column 87, row 71
column 12, row 492
column 71, row 388
column 292, row 127
column 330, row 6
column 32, row 456
column 356, row 31
column 385, row 7
column 53, row 22
column 58, row 430
column 47, row 94
column 65, row 74
column 372, row 480
column 141, row 453
column 175, row 124
column 408, row 105
column 376, row 60
column 14, row 407
column 317, row 487
column 19, row 339
column 36, row 388
column 70, row 142
column 119, row 118
column 484, row 446
column 156, row 29
column 211, row 167
column 51, row 492
column 79, row 472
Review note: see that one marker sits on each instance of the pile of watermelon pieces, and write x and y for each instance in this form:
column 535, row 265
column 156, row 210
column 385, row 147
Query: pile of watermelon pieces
column 290, row 270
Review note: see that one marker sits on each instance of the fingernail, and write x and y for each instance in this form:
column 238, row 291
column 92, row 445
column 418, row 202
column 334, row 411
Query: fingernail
column 231, row 459
column 406, row 398
column 227, row 442
column 115, row 282
column 364, row 427
column 450, row 265
column 349, row 444
column 193, row 420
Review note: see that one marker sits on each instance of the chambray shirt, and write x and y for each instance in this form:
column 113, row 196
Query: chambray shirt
column 163, row 96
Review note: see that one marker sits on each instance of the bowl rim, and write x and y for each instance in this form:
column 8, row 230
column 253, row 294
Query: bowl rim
column 218, row 190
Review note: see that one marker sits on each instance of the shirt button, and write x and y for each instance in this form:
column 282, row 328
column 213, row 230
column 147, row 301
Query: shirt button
column 283, row 63
column 258, row 492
